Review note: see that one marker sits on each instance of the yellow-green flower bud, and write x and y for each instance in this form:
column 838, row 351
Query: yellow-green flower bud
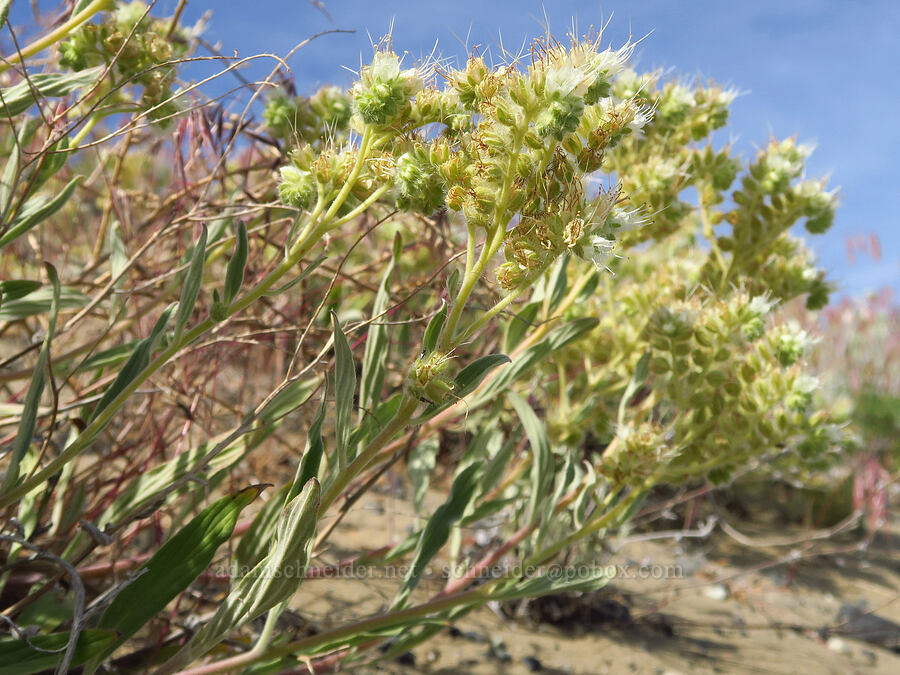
column 560, row 117
column 297, row 188
column 382, row 95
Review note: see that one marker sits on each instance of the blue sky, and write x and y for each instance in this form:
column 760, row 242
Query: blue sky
column 820, row 69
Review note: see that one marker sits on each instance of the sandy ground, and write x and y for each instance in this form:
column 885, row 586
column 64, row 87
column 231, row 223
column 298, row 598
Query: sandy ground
column 735, row 608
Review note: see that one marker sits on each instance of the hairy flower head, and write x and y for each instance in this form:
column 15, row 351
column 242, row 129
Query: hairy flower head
column 381, row 96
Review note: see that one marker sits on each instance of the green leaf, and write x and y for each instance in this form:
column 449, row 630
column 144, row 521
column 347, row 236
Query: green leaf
column 563, row 480
column 255, row 543
column 312, row 454
column 558, row 282
column 468, row 379
column 542, row 466
column 587, row 290
column 437, row 530
column 190, row 288
column 11, row 170
column 272, row 581
column 4, row 10
column 310, row 268
column 433, row 330
column 294, row 395
column 139, row 359
column 174, row 566
column 40, row 302
column 519, row 325
column 108, row 357
column 556, row 340
column 155, row 484
column 453, row 283
column 234, row 273
column 419, row 466
column 54, row 159
column 344, row 387
column 118, row 259
column 18, row 658
column 36, row 210
column 641, row 370
column 17, row 288
column 21, row 96
column 375, row 355
column 36, row 387
column 495, row 468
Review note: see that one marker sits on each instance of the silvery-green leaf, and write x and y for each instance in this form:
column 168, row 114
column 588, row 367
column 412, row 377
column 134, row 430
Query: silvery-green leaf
column 344, row 388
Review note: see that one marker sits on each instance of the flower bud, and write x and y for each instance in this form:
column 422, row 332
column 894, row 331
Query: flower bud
column 297, row 187
column 382, row 95
column 560, row 117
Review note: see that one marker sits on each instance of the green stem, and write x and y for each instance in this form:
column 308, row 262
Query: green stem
column 364, row 146
column 470, row 248
column 491, row 246
column 488, row 315
column 84, row 131
column 408, row 405
column 55, row 35
column 374, row 197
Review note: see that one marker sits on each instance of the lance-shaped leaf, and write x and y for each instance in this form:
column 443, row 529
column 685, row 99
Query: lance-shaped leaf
column 35, row 389
column 641, row 370
column 53, row 160
column 11, row 170
column 234, row 273
column 108, row 357
column 375, row 354
column 437, row 530
column 139, row 359
column 17, row 657
column 309, row 269
column 519, row 324
column 153, row 485
column 256, row 541
column 21, row 96
column 558, row 282
column 36, row 210
column 291, row 397
column 273, row 580
column 174, row 566
column 40, row 301
column 344, row 387
column 433, row 330
column 453, row 283
column 468, row 379
column 17, row 288
column 190, row 288
column 542, row 466
column 420, row 465
column 556, row 340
